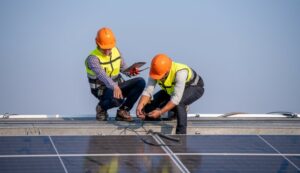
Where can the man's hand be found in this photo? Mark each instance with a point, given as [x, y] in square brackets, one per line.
[117, 92]
[155, 113]
[139, 112]
[139, 108]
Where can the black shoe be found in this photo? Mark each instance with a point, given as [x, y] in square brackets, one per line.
[101, 115]
[123, 115]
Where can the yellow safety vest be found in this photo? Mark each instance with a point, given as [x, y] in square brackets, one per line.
[111, 63]
[169, 83]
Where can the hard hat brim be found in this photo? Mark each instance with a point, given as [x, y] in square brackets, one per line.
[156, 76]
[109, 46]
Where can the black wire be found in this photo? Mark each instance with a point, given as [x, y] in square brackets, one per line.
[164, 136]
[143, 139]
[150, 131]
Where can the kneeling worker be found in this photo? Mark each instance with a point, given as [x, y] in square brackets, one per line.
[103, 67]
[180, 85]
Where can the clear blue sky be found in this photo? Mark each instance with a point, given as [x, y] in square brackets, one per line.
[248, 52]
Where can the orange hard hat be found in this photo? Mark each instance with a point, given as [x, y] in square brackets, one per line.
[105, 38]
[160, 65]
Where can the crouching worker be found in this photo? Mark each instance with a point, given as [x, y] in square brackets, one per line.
[180, 85]
[103, 67]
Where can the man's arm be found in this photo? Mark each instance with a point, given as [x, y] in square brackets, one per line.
[145, 98]
[180, 79]
[149, 89]
[94, 64]
[123, 65]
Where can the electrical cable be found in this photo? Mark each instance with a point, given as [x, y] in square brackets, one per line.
[150, 131]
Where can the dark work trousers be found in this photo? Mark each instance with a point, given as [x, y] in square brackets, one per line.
[131, 90]
[161, 98]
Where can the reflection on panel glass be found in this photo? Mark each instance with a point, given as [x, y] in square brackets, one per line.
[104, 144]
[244, 164]
[284, 143]
[116, 164]
[23, 145]
[220, 144]
[31, 165]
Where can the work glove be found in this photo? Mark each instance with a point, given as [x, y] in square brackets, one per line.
[134, 71]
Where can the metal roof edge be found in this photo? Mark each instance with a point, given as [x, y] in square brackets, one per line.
[194, 115]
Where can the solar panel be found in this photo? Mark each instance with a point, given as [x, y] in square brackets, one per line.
[120, 164]
[103, 144]
[232, 164]
[15, 164]
[220, 144]
[22, 145]
[285, 144]
[150, 153]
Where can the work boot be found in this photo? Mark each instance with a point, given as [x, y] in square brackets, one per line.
[101, 114]
[123, 115]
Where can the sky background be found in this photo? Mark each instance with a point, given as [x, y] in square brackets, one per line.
[247, 51]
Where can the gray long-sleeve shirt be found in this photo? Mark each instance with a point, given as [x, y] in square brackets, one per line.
[176, 96]
[94, 64]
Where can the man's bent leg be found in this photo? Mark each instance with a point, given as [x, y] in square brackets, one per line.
[107, 100]
[190, 95]
[101, 114]
[181, 119]
[131, 90]
[160, 99]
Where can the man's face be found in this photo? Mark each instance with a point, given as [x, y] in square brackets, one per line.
[106, 51]
[164, 77]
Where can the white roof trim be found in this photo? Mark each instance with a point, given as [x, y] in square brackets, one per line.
[42, 116]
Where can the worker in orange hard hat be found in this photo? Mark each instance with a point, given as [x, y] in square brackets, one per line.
[180, 86]
[103, 66]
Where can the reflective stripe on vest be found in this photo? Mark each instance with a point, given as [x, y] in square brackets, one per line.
[111, 64]
[169, 84]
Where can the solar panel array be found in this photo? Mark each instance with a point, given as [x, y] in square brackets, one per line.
[150, 153]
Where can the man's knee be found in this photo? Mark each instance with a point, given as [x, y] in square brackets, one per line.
[181, 108]
[110, 103]
[148, 108]
[140, 82]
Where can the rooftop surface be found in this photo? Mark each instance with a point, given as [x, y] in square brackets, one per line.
[196, 125]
